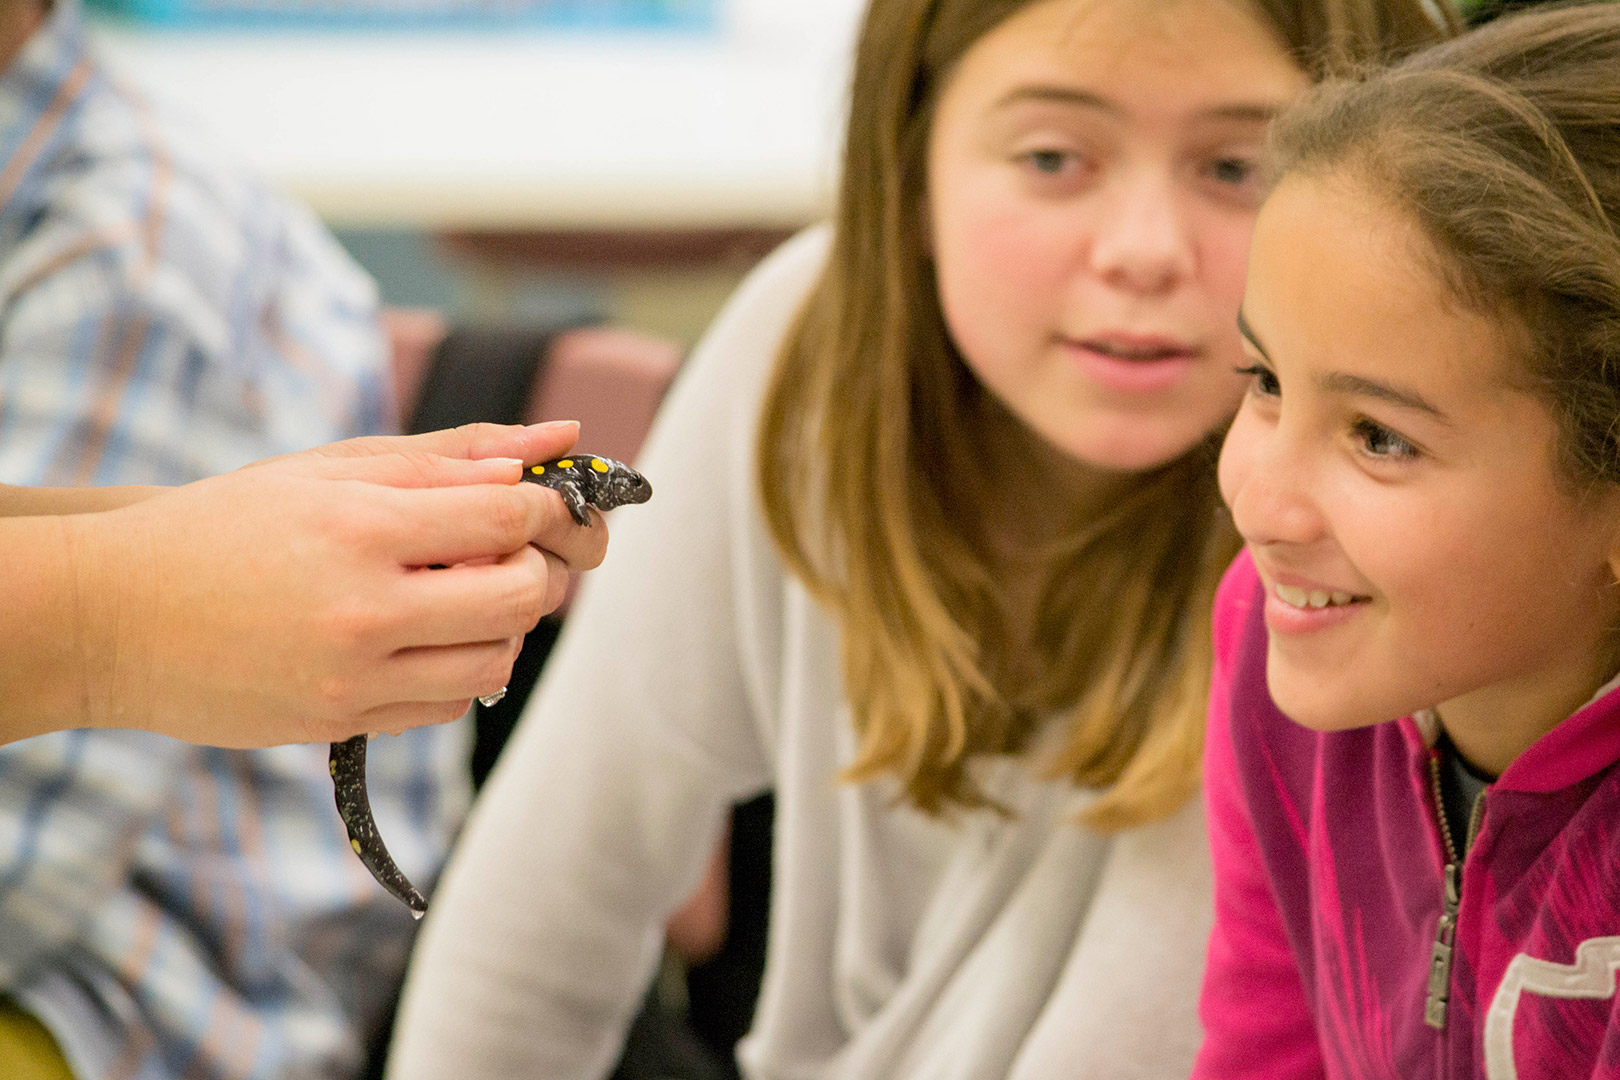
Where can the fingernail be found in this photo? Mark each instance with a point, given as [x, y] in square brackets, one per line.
[555, 425]
[507, 461]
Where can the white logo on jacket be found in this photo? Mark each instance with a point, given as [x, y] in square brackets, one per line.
[1590, 976]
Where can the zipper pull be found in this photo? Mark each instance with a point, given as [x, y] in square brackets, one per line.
[1434, 1007]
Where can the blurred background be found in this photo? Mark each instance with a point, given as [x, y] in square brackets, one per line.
[521, 162]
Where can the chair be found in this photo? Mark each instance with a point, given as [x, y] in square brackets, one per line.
[612, 381]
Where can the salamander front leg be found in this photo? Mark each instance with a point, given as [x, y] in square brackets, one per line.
[574, 495]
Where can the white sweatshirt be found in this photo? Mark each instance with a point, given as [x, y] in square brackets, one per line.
[695, 672]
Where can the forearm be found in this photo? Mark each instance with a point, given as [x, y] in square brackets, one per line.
[35, 501]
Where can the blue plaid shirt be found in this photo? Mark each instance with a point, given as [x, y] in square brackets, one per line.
[170, 911]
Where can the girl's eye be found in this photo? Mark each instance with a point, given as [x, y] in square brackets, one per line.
[1265, 380]
[1380, 442]
[1233, 171]
[1235, 178]
[1049, 162]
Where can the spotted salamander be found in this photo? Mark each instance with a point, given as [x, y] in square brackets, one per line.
[583, 480]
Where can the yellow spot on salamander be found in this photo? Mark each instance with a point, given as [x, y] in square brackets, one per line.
[599, 465]
[355, 844]
[566, 463]
[538, 469]
[332, 765]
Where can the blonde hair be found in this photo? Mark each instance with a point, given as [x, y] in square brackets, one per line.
[869, 375]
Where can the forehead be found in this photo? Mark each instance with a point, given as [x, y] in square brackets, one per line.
[1341, 279]
[1142, 58]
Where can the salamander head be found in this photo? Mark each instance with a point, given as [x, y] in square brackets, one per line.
[618, 484]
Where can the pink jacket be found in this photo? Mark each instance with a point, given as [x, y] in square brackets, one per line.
[1330, 888]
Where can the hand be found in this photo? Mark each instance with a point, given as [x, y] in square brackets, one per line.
[293, 600]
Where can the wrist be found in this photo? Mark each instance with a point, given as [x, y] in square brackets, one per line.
[111, 567]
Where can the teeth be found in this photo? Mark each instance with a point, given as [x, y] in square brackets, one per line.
[1311, 598]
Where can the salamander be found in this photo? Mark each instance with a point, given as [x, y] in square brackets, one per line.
[583, 481]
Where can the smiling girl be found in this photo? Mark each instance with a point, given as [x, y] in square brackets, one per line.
[931, 558]
[1416, 831]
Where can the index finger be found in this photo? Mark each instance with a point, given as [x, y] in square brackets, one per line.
[528, 443]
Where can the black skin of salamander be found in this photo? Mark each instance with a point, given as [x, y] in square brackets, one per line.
[583, 481]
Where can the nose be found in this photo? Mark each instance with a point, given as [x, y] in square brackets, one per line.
[1143, 243]
[1267, 482]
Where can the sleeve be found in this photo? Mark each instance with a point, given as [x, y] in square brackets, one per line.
[163, 345]
[72, 807]
[651, 719]
[1257, 1021]
[152, 349]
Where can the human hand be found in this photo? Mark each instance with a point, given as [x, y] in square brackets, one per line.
[293, 600]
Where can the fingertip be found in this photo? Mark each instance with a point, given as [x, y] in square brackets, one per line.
[556, 428]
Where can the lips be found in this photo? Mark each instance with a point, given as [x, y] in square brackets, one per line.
[1299, 607]
[1133, 364]
[1137, 348]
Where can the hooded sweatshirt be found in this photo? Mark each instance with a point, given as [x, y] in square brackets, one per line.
[1337, 951]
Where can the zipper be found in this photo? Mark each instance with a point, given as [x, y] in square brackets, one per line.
[1445, 931]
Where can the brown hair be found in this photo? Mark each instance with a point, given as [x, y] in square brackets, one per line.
[869, 375]
[1504, 146]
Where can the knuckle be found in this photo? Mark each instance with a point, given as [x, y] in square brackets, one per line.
[476, 436]
[348, 627]
[557, 583]
[419, 464]
[526, 602]
[334, 697]
[508, 516]
[596, 546]
[493, 673]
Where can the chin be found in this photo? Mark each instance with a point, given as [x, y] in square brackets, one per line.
[1310, 704]
[1128, 446]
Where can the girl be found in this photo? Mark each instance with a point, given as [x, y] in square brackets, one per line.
[1427, 475]
[936, 518]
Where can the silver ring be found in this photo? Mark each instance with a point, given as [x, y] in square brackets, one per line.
[490, 699]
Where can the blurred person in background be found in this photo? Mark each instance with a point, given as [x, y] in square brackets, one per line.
[168, 910]
[932, 558]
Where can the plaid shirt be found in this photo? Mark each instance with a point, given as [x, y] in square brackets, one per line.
[170, 911]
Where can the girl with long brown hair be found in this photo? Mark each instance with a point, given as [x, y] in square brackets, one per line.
[932, 556]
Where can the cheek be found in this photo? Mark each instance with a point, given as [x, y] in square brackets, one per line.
[1237, 453]
[998, 265]
[1478, 582]
[1224, 244]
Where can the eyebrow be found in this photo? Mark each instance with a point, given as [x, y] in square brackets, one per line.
[1249, 335]
[1344, 383]
[1065, 95]
[1341, 382]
